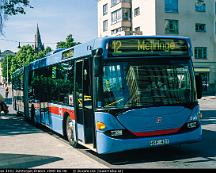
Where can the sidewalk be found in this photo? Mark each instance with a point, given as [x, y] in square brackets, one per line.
[23, 146]
[208, 98]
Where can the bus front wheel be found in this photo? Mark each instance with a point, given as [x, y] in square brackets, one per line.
[70, 132]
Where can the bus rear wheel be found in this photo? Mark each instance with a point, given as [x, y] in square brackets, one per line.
[70, 132]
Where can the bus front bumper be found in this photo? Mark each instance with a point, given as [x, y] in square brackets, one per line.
[106, 144]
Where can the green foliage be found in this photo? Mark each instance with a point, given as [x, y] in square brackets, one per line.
[69, 42]
[8, 58]
[10, 8]
[48, 88]
[24, 56]
[27, 54]
[14, 7]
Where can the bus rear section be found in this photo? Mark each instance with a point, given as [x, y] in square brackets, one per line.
[146, 101]
[18, 90]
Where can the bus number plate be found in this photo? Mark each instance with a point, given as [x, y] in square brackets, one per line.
[159, 142]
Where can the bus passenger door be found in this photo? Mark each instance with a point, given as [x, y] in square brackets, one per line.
[83, 103]
[44, 114]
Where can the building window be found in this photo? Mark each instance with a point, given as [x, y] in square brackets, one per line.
[200, 52]
[126, 14]
[120, 14]
[105, 9]
[200, 27]
[115, 2]
[125, 28]
[118, 30]
[171, 26]
[205, 80]
[116, 16]
[115, 31]
[200, 6]
[171, 6]
[136, 12]
[137, 29]
[105, 25]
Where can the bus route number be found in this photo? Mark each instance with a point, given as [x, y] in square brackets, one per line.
[116, 45]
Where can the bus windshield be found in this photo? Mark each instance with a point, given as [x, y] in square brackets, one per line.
[137, 84]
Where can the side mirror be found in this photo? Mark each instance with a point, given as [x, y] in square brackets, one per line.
[198, 80]
[97, 58]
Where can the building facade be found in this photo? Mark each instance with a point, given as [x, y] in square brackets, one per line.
[192, 18]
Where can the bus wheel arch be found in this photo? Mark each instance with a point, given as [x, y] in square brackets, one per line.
[68, 130]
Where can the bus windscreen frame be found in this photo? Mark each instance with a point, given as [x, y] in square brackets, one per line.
[148, 47]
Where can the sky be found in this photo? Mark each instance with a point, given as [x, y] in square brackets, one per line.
[56, 20]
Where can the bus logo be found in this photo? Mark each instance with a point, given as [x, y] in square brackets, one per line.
[158, 120]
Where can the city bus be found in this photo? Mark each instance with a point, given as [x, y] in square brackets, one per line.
[114, 94]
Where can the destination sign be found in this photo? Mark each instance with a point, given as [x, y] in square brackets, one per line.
[68, 54]
[147, 46]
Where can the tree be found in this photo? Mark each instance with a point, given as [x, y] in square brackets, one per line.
[27, 54]
[24, 56]
[10, 8]
[8, 59]
[69, 42]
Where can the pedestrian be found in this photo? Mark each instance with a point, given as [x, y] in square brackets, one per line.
[6, 91]
[3, 106]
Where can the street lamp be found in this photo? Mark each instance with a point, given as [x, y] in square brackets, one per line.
[19, 46]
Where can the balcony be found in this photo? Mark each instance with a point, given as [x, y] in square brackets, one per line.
[124, 4]
[122, 23]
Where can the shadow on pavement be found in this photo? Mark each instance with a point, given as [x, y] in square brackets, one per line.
[205, 150]
[209, 117]
[12, 125]
[15, 161]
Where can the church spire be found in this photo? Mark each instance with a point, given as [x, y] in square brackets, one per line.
[38, 43]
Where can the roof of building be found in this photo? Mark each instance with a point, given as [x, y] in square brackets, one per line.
[5, 53]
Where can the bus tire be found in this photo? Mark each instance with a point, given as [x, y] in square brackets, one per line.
[18, 114]
[70, 132]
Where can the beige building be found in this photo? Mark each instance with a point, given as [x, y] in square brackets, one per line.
[192, 18]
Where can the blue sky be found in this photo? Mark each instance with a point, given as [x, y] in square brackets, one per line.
[56, 20]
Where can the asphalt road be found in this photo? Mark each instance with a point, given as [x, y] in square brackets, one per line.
[24, 146]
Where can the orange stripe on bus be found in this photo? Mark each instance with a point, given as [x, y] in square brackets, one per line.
[61, 111]
[155, 133]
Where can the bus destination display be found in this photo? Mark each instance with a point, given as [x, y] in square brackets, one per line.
[68, 54]
[150, 46]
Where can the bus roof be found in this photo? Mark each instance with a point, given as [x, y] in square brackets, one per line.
[85, 49]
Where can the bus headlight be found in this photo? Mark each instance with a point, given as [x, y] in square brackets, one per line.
[192, 125]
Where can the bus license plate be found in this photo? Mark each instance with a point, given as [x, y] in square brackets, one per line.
[159, 142]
